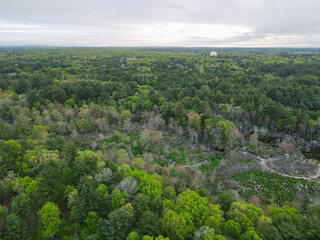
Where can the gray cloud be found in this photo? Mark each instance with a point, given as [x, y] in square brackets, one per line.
[166, 23]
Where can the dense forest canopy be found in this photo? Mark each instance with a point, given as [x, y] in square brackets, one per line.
[159, 143]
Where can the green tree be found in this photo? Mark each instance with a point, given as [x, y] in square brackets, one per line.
[286, 227]
[244, 222]
[250, 234]
[3, 215]
[151, 186]
[73, 204]
[200, 233]
[169, 193]
[21, 205]
[89, 199]
[136, 174]
[117, 198]
[141, 204]
[263, 222]
[149, 223]
[52, 175]
[231, 228]
[91, 224]
[13, 227]
[116, 227]
[271, 233]
[87, 163]
[160, 237]
[292, 212]
[253, 213]
[225, 201]
[50, 220]
[10, 156]
[200, 210]
[133, 236]
[147, 237]
[311, 223]
[213, 236]
[103, 190]
[177, 226]
[70, 103]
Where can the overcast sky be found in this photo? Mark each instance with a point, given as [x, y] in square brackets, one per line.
[221, 23]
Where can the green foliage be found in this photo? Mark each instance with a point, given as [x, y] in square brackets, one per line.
[141, 204]
[103, 190]
[73, 204]
[160, 237]
[52, 172]
[286, 227]
[70, 103]
[292, 212]
[91, 224]
[21, 205]
[231, 228]
[39, 133]
[244, 222]
[177, 226]
[26, 184]
[135, 151]
[88, 160]
[68, 190]
[13, 227]
[262, 223]
[250, 234]
[161, 162]
[118, 199]
[151, 186]
[311, 223]
[117, 137]
[55, 143]
[146, 237]
[169, 193]
[208, 167]
[199, 210]
[271, 233]
[271, 187]
[3, 214]
[50, 220]
[72, 120]
[149, 223]
[125, 168]
[10, 156]
[225, 201]
[136, 174]
[87, 198]
[116, 227]
[203, 232]
[214, 237]
[133, 236]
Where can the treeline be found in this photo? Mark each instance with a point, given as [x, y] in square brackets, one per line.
[279, 92]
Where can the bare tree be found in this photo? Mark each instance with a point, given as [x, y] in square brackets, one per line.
[127, 184]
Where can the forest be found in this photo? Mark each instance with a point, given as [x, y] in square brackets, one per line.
[159, 143]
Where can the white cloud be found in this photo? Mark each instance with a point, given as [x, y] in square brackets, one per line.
[164, 23]
[179, 32]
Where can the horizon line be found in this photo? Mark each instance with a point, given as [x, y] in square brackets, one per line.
[155, 46]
